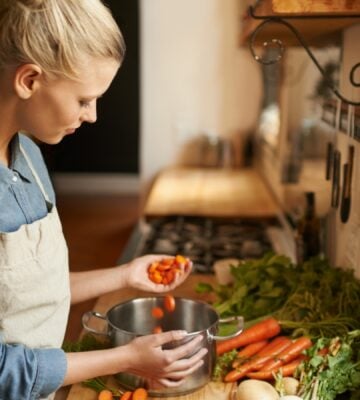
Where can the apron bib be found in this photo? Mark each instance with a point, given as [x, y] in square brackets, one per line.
[34, 281]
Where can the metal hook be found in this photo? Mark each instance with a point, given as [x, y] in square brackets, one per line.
[277, 20]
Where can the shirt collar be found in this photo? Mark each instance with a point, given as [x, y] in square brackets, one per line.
[18, 162]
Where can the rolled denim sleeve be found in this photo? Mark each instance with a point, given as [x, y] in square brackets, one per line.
[30, 374]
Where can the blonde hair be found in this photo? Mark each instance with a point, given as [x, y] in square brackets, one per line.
[57, 35]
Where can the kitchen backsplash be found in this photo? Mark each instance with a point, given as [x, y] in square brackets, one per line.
[296, 161]
[344, 243]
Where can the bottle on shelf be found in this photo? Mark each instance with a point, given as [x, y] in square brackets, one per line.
[308, 231]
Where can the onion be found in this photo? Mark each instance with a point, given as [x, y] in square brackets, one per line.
[254, 389]
[290, 397]
[290, 385]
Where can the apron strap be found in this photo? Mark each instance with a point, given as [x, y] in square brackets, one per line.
[36, 176]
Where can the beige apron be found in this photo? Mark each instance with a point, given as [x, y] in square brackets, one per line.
[34, 281]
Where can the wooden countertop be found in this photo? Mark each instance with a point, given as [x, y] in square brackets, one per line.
[210, 192]
[212, 391]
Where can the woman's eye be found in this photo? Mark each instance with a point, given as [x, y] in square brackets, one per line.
[85, 104]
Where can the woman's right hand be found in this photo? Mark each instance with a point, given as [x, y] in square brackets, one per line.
[164, 367]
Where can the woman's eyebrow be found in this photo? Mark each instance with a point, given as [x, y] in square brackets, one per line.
[92, 97]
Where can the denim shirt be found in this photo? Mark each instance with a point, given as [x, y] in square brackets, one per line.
[26, 374]
[21, 200]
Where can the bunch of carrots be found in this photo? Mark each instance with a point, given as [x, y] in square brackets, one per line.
[262, 352]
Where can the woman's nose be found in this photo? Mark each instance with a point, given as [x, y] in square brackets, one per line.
[90, 115]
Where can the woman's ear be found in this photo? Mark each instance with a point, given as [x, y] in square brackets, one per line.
[27, 80]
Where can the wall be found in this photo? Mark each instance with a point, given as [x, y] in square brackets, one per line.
[194, 77]
[346, 237]
[342, 239]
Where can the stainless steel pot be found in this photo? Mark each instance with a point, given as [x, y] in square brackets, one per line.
[133, 318]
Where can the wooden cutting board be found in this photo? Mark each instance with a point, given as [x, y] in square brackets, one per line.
[212, 391]
[210, 192]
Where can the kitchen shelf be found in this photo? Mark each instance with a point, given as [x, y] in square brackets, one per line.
[319, 24]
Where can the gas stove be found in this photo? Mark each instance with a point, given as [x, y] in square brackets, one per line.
[204, 240]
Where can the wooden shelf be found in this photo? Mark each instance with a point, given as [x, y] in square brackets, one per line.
[323, 30]
[304, 7]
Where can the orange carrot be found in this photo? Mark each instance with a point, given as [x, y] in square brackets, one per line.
[140, 394]
[262, 330]
[273, 344]
[105, 395]
[126, 396]
[258, 360]
[248, 351]
[286, 370]
[252, 349]
[157, 329]
[288, 354]
[169, 303]
[275, 347]
[157, 312]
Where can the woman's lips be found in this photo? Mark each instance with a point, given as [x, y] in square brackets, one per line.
[70, 130]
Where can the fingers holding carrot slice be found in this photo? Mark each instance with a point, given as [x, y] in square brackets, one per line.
[166, 270]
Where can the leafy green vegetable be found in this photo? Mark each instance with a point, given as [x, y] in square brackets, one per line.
[223, 365]
[98, 384]
[86, 343]
[326, 301]
[313, 298]
[204, 288]
[260, 287]
[323, 377]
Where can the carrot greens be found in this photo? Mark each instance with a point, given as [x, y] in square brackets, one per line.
[312, 298]
[336, 372]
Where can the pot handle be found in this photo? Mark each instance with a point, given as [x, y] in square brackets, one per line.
[240, 327]
[86, 318]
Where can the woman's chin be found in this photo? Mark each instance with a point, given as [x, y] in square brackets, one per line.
[53, 140]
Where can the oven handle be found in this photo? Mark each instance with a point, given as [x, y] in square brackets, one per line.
[240, 327]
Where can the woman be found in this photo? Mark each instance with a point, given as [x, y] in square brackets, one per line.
[57, 57]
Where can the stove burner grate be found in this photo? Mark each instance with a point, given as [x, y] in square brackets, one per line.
[206, 240]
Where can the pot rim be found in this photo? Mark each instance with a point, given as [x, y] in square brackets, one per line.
[105, 317]
[151, 298]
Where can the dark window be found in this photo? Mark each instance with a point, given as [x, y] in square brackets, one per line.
[111, 145]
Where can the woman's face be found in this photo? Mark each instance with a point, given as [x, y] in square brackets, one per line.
[60, 105]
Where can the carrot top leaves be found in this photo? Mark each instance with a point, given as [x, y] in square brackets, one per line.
[313, 298]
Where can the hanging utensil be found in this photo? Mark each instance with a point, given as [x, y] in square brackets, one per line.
[329, 160]
[335, 193]
[346, 192]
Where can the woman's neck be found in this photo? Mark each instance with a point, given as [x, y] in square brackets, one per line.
[5, 152]
[8, 114]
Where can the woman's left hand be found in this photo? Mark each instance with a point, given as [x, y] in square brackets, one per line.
[136, 274]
